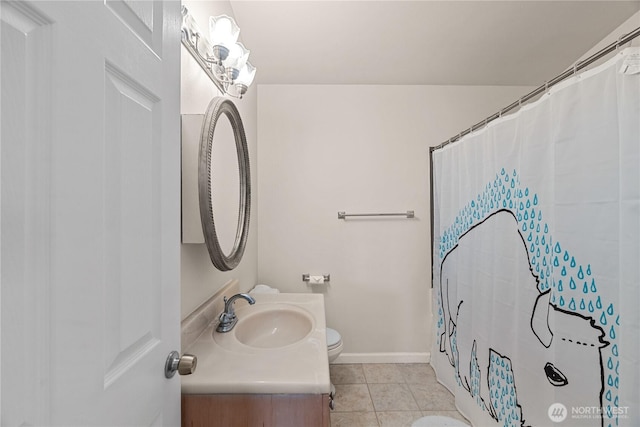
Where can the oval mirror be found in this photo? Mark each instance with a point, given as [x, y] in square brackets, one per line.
[224, 190]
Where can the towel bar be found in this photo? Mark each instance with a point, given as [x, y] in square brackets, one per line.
[407, 214]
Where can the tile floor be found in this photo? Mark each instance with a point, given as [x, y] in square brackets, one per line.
[388, 395]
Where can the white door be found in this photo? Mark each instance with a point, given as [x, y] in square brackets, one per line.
[89, 212]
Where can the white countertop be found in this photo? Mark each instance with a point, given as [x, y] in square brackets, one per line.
[227, 366]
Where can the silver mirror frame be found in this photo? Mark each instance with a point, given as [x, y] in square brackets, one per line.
[218, 107]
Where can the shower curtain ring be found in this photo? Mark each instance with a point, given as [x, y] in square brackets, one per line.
[618, 41]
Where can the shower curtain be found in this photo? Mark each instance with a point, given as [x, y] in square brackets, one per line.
[536, 269]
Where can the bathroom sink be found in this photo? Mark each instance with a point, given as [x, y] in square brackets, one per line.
[268, 326]
[274, 326]
[279, 345]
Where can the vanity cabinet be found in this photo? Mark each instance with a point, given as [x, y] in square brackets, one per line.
[259, 410]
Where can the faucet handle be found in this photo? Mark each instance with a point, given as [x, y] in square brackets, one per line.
[228, 317]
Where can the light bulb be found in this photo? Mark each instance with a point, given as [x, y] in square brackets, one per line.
[223, 31]
[245, 78]
[246, 75]
[235, 61]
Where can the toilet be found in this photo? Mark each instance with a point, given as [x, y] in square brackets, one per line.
[334, 344]
[334, 340]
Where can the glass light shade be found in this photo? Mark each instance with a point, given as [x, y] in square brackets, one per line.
[246, 76]
[188, 22]
[238, 56]
[223, 30]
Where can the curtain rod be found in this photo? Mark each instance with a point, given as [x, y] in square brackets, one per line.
[625, 38]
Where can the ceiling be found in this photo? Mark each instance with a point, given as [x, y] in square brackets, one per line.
[422, 42]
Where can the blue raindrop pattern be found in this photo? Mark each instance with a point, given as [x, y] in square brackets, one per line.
[475, 376]
[456, 355]
[502, 391]
[573, 286]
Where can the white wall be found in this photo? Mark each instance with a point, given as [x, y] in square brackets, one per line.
[199, 278]
[325, 149]
[629, 25]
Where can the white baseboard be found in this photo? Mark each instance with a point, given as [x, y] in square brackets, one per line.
[346, 358]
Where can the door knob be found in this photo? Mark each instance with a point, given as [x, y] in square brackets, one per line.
[185, 365]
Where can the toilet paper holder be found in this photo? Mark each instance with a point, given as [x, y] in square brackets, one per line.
[307, 277]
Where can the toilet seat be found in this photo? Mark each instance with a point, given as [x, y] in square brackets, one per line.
[333, 339]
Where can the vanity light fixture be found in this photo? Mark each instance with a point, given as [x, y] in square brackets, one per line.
[221, 56]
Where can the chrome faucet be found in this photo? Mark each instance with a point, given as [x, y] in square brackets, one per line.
[228, 318]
